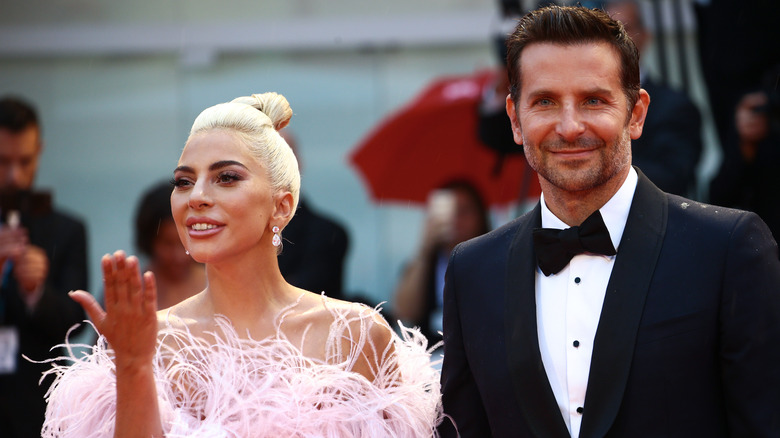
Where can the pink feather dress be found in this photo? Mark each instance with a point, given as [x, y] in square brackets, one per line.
[239, 387]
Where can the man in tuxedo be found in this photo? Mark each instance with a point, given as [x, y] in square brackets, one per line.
[43, 256]
[648, 315]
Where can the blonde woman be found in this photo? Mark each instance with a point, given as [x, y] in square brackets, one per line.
[250, 355]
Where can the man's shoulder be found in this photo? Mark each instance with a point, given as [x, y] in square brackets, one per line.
[495, 240]
[66, 218]
[58, 222]
[685, 210]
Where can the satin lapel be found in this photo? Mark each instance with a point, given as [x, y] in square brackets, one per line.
[624, 302]
[536, 399]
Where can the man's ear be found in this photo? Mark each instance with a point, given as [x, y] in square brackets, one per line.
[517, 132]
[283, 207]
[638, 115]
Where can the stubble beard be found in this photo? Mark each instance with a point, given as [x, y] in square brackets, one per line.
[577, 175]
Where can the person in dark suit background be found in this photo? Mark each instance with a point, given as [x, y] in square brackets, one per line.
[665, 324]
[314, 246]
[671, 143]
[44, 256]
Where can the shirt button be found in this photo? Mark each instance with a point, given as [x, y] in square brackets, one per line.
[576, 344]
[577, 280]
[579, 410]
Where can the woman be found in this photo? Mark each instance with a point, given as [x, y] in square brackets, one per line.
[250, 355]
[176, 275]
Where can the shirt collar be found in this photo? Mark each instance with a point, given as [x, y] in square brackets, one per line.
[614, 212]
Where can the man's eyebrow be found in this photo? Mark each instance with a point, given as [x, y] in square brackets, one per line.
[599, 91]
[214, 166]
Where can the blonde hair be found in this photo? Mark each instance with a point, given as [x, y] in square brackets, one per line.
[256, 120]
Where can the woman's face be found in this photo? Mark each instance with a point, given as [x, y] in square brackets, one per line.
[222, 200]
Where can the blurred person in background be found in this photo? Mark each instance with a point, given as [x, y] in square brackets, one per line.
[43, 254]
[455, 214]
[670, 147]
[740, 55]
[178, 275]
[748, 176]
[315, 246]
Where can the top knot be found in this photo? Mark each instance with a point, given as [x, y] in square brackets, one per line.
[273, 105]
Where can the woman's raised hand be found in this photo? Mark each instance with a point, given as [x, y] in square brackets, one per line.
[129, 321]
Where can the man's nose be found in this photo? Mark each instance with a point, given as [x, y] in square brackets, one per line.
[16, 177]
[570, 124]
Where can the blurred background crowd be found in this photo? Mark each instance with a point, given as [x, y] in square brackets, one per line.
[392, 101]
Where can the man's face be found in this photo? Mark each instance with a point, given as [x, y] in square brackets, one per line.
[572, 116]
[19, 154]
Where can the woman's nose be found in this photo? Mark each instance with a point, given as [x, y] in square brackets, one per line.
[200, 196]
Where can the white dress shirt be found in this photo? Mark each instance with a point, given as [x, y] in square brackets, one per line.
[568, 308]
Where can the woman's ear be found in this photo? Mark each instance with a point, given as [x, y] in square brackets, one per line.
[283, 207]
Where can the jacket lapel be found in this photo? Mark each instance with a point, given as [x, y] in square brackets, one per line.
[535, 396]
[624, 301]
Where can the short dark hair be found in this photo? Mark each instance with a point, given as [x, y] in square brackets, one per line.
[569, 25]
[153, 209]
[16, 114]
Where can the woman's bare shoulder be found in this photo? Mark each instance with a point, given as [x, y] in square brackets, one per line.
[185, 315]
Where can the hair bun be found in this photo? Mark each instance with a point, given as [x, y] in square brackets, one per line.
[273, 105]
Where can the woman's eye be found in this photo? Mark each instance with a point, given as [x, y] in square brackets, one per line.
[180, 182]
[227, 178]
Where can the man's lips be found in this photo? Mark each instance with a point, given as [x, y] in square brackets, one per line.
[573, 153]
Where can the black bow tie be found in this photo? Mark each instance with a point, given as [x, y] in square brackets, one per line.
[555, 248]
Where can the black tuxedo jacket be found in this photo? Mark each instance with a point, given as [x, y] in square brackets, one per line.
[22, 404]
[688, 342]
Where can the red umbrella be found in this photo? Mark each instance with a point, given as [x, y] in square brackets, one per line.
[433, 140]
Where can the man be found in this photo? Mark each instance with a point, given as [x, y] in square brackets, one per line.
[670, 147]
[43, 256]
[315, 246]
[666, 326]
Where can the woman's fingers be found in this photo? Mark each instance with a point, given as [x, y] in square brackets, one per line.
[121, 279]
[150, 293]
[109, 292]
[133, 282]
[90, 305]
[122, 283]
